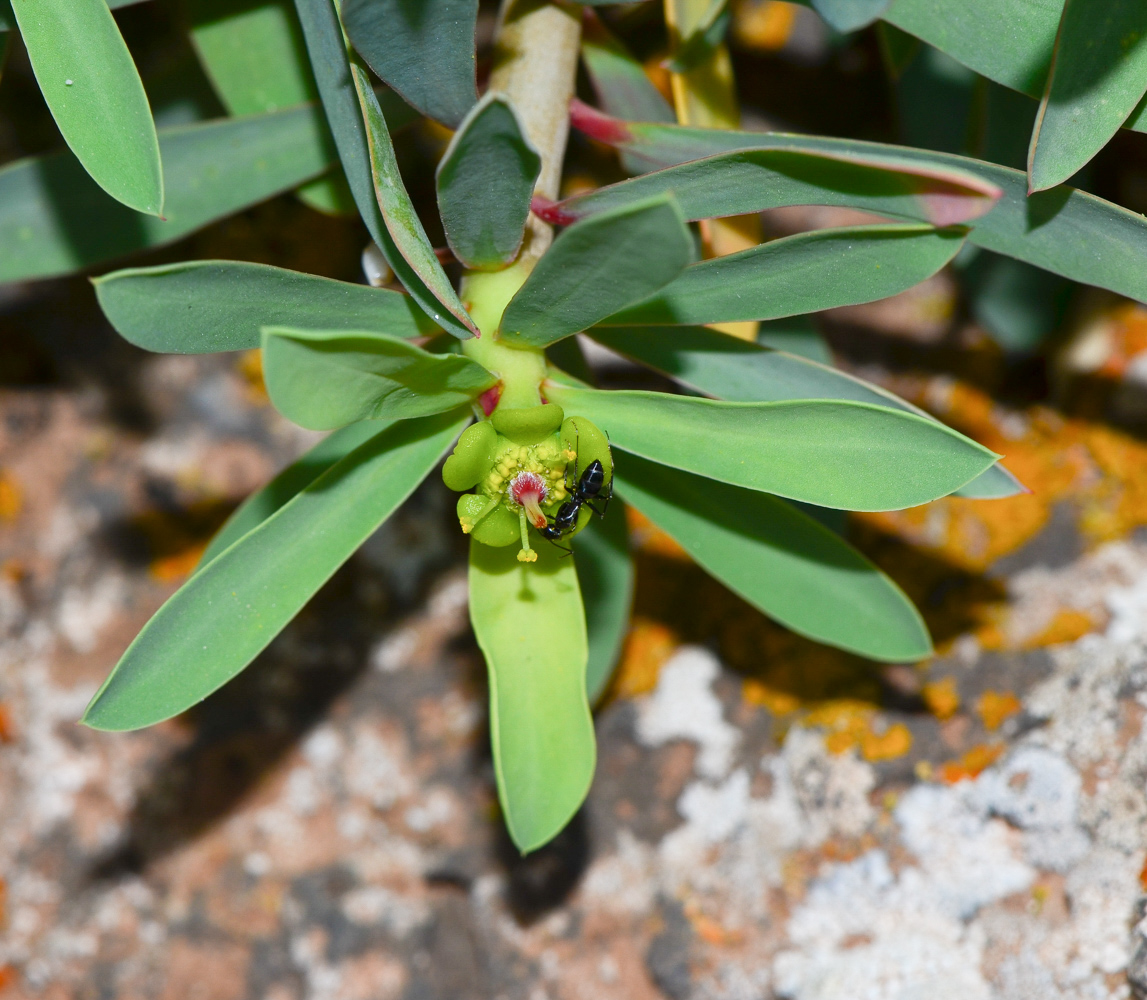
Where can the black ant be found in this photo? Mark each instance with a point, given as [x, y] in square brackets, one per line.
[588, 487]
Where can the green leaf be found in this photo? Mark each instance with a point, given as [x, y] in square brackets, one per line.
[485, 181]
[8, 19]
[402, 221]
[228, 612]
[596, 267]
[800, 274]
[780, 560]
[530, 625]
[253, 52]
[1065, 231]
[795, 335]
[1098, 77]
[53, 218]
[339, 90]
[1017, 57]
[1009, 41]
[289, 483]
[850, 15]
[94, 92]
[424, 50]
[754, 180]
[897, 47]
[853, 456]
[621, 84]
[256, 58]
[619, 80]
[708, 33]
[728, 368]
[1020, 306]
[217, 305]
[605, 573]
[322, 379]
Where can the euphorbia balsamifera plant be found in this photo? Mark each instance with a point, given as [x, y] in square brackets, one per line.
[487, 377]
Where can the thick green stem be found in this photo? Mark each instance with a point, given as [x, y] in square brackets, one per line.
[536, 63]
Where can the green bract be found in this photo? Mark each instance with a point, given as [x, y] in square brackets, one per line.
[471, 356]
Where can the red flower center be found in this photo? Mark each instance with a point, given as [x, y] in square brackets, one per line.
[530, 490]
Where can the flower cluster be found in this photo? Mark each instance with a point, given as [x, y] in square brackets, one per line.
[520, 464]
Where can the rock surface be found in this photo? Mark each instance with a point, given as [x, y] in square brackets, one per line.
[769, 819]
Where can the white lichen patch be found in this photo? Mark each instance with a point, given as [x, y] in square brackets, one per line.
[684, 707]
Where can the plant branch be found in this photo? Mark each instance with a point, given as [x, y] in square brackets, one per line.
[535, 65]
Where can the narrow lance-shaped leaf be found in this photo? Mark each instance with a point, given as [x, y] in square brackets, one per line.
[1065, 231]
[706, 35]
[424, 50]
[402, 221]
[530, 625]
[780, 560]
[1009, 41]
[619, 80]
[729, 368]
[94, 92]
[8, 19]
[322, 379]
[854, 456]
[796, 335]
[754, 180]
[596, 267]
[289, 483]
[53, 218]
[228, 612]
[485, 180]
[1017, 57]
[605, 573]
[1098, 76]
[621, 84]
[800, 274]
[850, 15]
[256, 59]
[218, 305]
[339, 90]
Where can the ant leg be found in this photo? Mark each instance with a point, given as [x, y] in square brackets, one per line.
[567, 549]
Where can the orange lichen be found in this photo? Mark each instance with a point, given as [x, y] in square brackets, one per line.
[7, 733]
[853, 724]
[1099, 468]
[1143, 876]
[757, 692]
[7, 977]
[994, 707]
[941, 697]
[894, 742]
[658, 75]
[765, 25]
[712, 932]
[1125, 327]
[1068, 625]
[250, 366]
[176, 538]
[647, 646]
[971, 764]
[177, 566]
[646, 536]
[11, 497]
